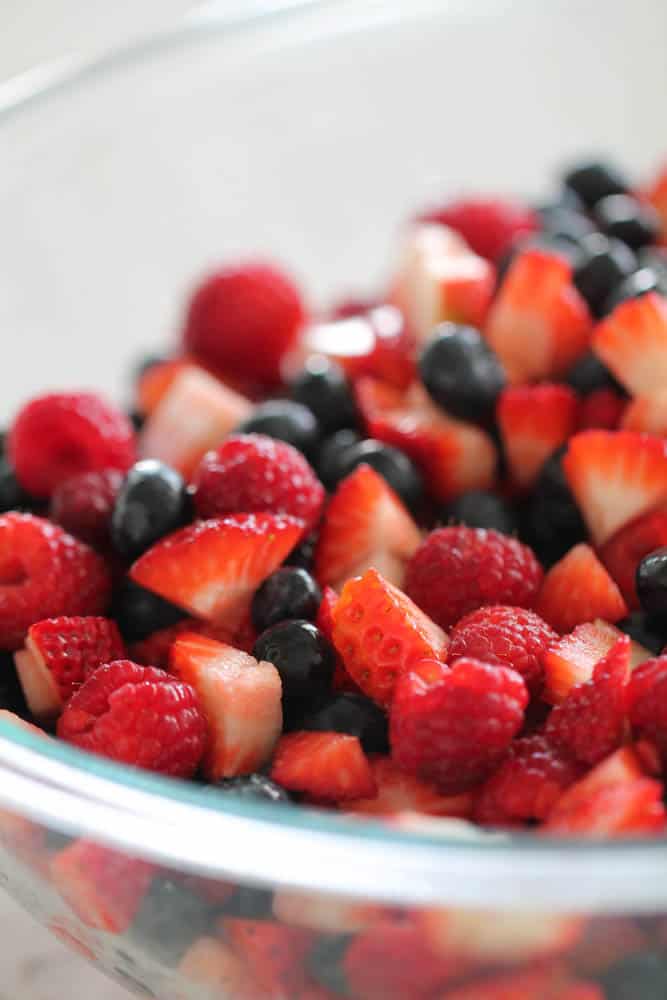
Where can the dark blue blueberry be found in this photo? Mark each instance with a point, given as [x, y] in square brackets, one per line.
[354, 714]
[651, 582]
[392, 464]
[627, 219]
[323, 387]
[605, 263]
[638, 977]
[153, 501]
[565, 224]
[290, 592]
[655, 258]
[302, 554]
[325, 962]
[287, 421]
[640, 283]
[11, 693]
[170, 918]
[253, 788]
[551, 523]
[479, 509]
[461, 373]
[595, 180]
[12, 496]
[589, 374]
[331, 458]
[303, 657]
[139, 612]
[249, 903]
[566, 198]
[648, 632]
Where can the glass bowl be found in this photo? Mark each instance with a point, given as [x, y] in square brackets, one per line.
[305, 133]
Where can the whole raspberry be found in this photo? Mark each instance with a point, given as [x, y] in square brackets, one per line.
[57, 436]
[489, 225]
[242, 321]
[45, 573]
[647, 702]
[458, 569]
[453, 725]
[137, 715]
[83, 505]
[252, 472]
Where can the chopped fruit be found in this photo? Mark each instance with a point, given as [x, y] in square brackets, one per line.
[325, 622]
[579, 589]
[647, 702]
[461, 373]
[534, 420]
[380, 634]
[632, 343]
[59, 655]
[490, 226]
[45, 573]
[252, 472]
[194, 415]
[538, 985]
[274, 952]
[399, 792]
[459, 569]
[452, 725]
[572, 659]
[212, 568]
[365, 525]
[329, 767]
[538, 324]
[604, 409]
[240, 698]
[210, 963]
[647, 414]
[83, 505]
[616, 477]
[155, 649]
[507, 637]
[57, 436]
[156, 381]
[657, 196]
[137, 715]
[624, 551]
[324, 913]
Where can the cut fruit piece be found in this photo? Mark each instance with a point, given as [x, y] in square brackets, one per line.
[539, 985]
[657, 195]
[623, 552]
[578, 589]
[534, 421]
[398, 792]
[632, 343]
[274, 952]
[156, 382]
[647, 414]
[329, 767]
[214, 965]
[490, 226]
[324, 913]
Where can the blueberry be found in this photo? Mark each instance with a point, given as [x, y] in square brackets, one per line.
[325, 962]
[479, 509]
[640, 283]
[331, 459]
[551, 522]
[627, 219]
[592, 181]
[654, 258]
[302, 555]
[250, 903]
[285, 420]
[392, 464]
[323, 387]
[354, 714]
[604, 264]
[566, 224]
[152, 502]
[644, 630]
[139, 612]
[461, 372]
[290, 592]
[253, 788]
[137, 419]
[11, 693]
[589, 374]
[170, 918]
[12, 496]
[566, 198]
[651, 581]
[638, 977]
[303, 657]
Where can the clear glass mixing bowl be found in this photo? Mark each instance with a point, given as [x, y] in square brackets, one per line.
[306, 134]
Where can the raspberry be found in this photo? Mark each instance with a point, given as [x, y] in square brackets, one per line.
[137, 715]
[252, 472]
[602, 408]
[242, 321]
[507, 637]
[57, 436]
[45, 573]
[489, 225]
[83, 505]
[453, 725]
[647, 702]
[458, 569]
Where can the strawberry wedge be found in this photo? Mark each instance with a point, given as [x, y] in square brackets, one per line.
[632, 342]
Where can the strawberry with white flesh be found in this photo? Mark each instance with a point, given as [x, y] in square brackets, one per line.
[365, 525]
[59, 655]
[538, 324]
[624, 551]
[632, 343]
[647, 414]
[615, 476]
[656, 194]
[578, 589]
[326, 767]
[212, 568]
[398, 792]
[324, 913]
[241, 699]
[534, 420]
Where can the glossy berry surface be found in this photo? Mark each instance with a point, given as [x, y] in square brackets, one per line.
[593, 180]
[552, 522]
[288, 593]
[651, 582]
[392, 464]
[303, 657]
[284, 420]
[588, 375]
[604, 265]
[480, 509]
[626, 219]
[323, 388]
[354, 714]
[638, 283]
[648, 631]
[152, 502]
[253, 788]
[461, 372]
[139, 612]
[331, 460]
[12, 496]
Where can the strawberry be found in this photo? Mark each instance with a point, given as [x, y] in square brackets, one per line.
[398, 792]
[155, 649]
[615, 476]
[330, 767]
[341, 679]
[213, 965]
[490, 226]
[156, 381]
[537, 985]
[274, 952]
[212, 568]
[578, 589]
[324, 913]
[534, 420]
[632, 343]
[240, 698]
[623, 552]
[603, 409]
[380, 634]
[647, 414]
[657, 195]
[365, 525]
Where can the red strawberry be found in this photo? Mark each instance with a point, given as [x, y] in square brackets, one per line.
[647, 414]
[45, 573]
[603, 409]
[537, 985]
[275, 953]
[632, 343]
[324, 912]
[328, 767]
[399, 792]
[241, 700]
[578, 589]
[59, 655]
[83, 505]
[155, 649]
[538, 324]
[647, 702]
[623, 552]
[365, 525]
[156, 381]
[458, 569]
[212, 568]
[490, 226]
[60, 435]
[341, 679]
[657, 195]
[380, 634]
[452, 725]
[211, 964]
[534, 420]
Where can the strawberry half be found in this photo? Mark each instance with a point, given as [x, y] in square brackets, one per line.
[632, 342]
[626, 549]
[275, 953]
[329, 767]
[399, 792]
[579, 589]
[324, 912]
[657, 195]
[615, 476]
[365, 525]
[534, 420]
[213, 965]
[647, 414]
[241, 699]
[539, 985]
[212, 568]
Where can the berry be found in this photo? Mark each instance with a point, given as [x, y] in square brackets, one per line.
[479, 509]
[253, 788]
[646, 413]
[139, 612]
[12, 698]
[213, 966]
[453, 725]
[243, 320]
[538, 985]
[60, 435]
[578, 589]
[212, 568]
[322, 387]
[354, 714]
[506, 637]
[303, 657]
[534, 421]
[325, 766]
[331, 459]
[324, 962]
[490, 226]
[152, 502]
[274, 952]
[647, 701]
[652, 581]
[45, 573]
[461, 373]
[593, 181]
[252, 472]
[155, 649]
[83, 505]
[657, 196]
[645, 632]
[589, 374]
[284, 420]
[240, 698]
[12, 496]
[458, 569]
[623, 553]
[399, 792]
[632, 343]
[603, 409]
[169, 919]
[380, 634]
[392, 464]
[625, 218]
[643, 975]
[635, 286]
[137, 715]
[566, 226]
[288, 593]
[604, 264]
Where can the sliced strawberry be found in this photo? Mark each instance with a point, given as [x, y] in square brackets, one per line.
[623, 552]
[399, 792]
[274, 952]
[365, 525]
[212, 568]
[602, 409]
[329, 767]
[211, 964]
[632, 342]
[380, 633]
[615, 476]
[241, 700]
[537, 985]
[341, 679]
[490, 226]
[156, 381]
[325, 913]
[534, 420]
[647, 414]
[578, 589]
[571, 661]
[155, 649]
[657, 195]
